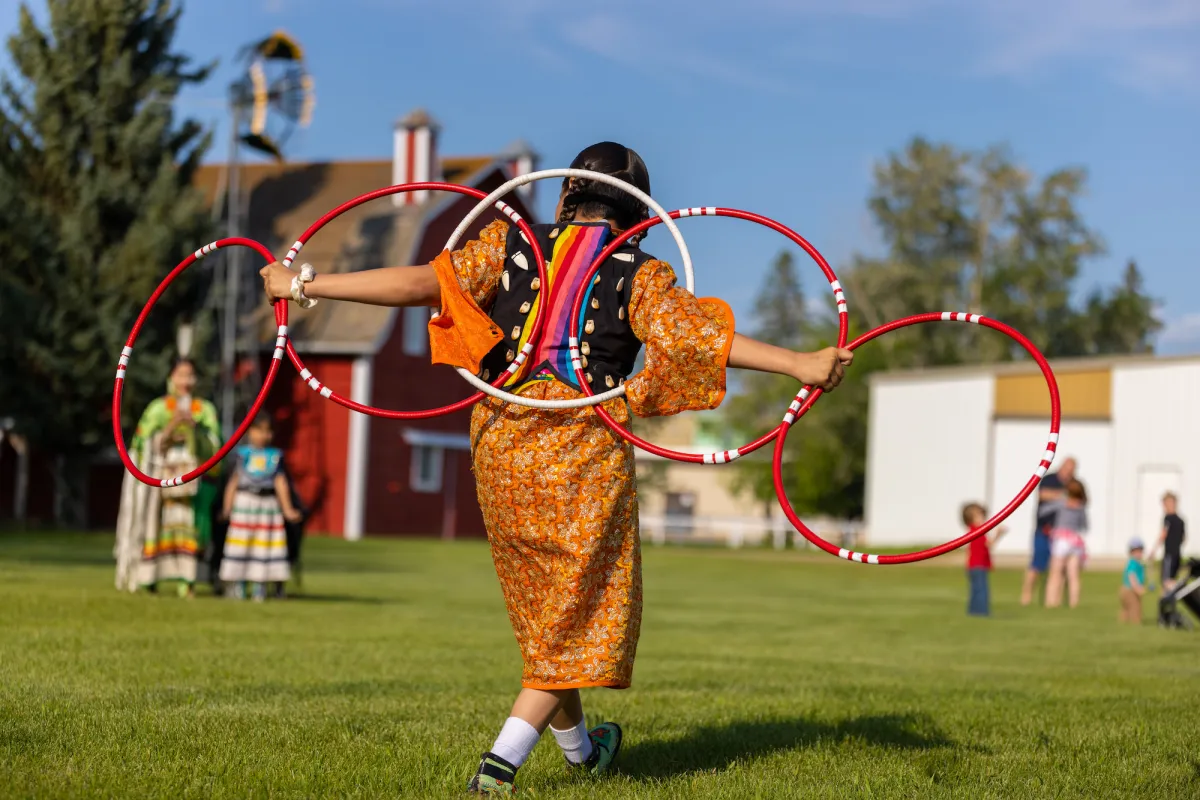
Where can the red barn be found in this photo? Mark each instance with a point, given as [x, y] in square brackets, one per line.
[360, 474]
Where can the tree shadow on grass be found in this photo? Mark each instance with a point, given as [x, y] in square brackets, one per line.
[718, 747]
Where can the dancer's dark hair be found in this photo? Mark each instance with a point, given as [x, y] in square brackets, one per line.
[590, 198]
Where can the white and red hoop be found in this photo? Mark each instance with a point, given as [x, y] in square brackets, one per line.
[804, 401]
[723, 456]
[315, 384]
[281, 318]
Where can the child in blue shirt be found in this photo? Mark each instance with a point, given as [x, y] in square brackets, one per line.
[1133, 584]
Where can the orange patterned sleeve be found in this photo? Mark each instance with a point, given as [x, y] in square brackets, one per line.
[479, 263]
[687, 343]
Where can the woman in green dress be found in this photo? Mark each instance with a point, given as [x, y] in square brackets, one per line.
[162, 532]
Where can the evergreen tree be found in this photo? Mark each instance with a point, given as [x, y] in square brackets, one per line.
[96, 205]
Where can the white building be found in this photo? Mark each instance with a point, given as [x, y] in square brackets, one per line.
[941, 437]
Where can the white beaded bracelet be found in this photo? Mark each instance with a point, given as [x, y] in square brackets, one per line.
[307, 273]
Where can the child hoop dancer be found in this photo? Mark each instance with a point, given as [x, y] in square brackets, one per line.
[557, 487]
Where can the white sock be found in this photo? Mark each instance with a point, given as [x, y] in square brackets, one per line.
[575, 742]
[516, 741]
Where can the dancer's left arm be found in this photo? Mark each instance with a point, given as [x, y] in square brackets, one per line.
[824, 368]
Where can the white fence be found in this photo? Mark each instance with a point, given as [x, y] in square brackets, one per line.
[744, 531]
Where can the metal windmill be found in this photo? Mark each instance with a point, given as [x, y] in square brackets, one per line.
[268, 103]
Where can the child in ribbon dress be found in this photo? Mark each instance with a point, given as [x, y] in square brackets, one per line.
[257, 503]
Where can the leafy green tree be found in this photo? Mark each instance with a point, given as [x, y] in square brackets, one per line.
[963, 231]
[96, 204]
[758, 405]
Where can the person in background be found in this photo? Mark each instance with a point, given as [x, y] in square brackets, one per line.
[979, 561]
[1068, 546]
[1133, 584]
[257, 501]
[295, 533]
[1051, 489]
[1171, 541]
[160, 531]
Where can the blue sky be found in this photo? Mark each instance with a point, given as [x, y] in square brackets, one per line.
[775, 106]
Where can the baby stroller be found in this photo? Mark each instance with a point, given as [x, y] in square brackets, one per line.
[1185, 594]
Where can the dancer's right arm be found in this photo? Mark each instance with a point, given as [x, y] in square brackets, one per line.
[388, 286]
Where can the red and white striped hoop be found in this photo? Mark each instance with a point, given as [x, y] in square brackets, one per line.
[315, 384]
[281, 318]
[805, 399]
[725, 456]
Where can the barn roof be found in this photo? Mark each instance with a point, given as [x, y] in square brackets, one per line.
[284, 199]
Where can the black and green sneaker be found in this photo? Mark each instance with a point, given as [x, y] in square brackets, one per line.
[606, 743]
[495, 776]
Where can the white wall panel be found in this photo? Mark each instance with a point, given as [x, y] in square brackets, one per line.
[927, 451]
[1156, 414]
[1017, 448]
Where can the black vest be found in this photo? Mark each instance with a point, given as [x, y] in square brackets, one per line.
[606, 339]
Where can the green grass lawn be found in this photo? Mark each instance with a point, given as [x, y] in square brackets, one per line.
[759, 675]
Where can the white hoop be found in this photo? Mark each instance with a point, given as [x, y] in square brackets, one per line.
[493, 198]
[600, 177]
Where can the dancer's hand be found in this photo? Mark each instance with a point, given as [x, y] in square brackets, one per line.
[292, 515]
[277, 281]
[824, 368]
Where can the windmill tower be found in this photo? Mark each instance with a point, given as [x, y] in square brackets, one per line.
[270, 101]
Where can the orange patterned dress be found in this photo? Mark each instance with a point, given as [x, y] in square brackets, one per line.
[558, 488]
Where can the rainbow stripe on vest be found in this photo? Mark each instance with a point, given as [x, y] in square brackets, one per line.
[575, 248]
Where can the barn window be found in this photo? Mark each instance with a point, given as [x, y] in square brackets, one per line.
[426, 473]
[416, 331]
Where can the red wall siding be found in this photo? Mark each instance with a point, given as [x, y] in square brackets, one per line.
[8, 479]
[104, 494]
[409, 383]
[312, 432]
